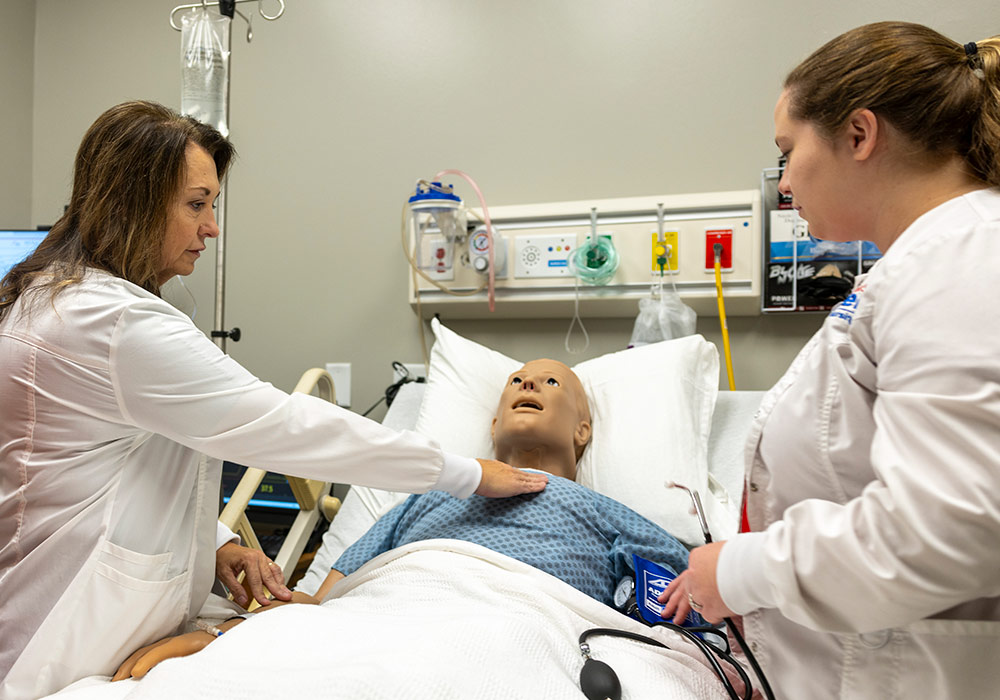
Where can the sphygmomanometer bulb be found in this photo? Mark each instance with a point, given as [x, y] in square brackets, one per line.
[598, 681]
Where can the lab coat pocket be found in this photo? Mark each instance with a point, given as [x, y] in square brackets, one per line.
[933, 658]
[144, 611]
[105, 615]
[952, 659]
[150, 567]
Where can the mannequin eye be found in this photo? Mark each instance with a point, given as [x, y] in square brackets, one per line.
[552, 381]
[516, 380]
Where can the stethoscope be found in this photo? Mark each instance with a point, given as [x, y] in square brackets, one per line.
[598, 680]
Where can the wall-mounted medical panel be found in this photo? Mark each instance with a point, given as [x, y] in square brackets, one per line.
[540, 239]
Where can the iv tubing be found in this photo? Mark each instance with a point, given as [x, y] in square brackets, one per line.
[489, 227]
[722, 318]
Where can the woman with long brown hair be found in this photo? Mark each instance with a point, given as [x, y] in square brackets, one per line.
[111, 398]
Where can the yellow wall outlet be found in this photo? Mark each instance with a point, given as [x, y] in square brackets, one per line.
[660, 252]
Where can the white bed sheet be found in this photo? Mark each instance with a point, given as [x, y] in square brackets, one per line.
[249, 663]
[471, 624]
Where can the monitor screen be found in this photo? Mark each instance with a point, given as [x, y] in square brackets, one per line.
[15, 246]
[274, 491]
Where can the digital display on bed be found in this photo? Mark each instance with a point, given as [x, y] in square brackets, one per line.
[274, 491]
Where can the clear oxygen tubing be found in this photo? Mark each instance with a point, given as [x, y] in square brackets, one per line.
[722, 316]
[491, 281]
[576, 291]
[576, 320]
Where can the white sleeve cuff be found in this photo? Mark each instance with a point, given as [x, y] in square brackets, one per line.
[223, 535]
[460, 476]
[740, 574]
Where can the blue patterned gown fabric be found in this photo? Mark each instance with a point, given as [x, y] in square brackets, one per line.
[567, 530]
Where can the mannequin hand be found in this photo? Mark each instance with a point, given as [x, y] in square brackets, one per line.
[501, 480]
[261, 572]
[298, 597]
[698, 582]
[140, 662]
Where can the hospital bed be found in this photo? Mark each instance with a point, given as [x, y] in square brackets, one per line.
[363, 506]
[444, 618]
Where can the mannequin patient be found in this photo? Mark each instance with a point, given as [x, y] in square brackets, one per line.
[569, 531]
[586, 539]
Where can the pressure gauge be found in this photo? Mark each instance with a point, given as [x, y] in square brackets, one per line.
[479, 250]
[624, 592]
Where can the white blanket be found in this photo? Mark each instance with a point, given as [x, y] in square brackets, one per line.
[436, 619]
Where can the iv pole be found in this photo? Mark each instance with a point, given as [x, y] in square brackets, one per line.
[227, 8]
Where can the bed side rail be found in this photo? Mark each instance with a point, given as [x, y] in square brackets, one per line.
[313, 496]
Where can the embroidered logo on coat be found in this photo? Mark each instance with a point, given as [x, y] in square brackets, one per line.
[848, 306]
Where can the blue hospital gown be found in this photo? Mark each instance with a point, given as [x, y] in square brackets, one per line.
[567, 530]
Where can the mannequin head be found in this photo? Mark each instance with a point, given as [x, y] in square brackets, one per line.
[542, 421]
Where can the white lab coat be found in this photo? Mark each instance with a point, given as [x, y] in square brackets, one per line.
[108, 509]
[874, 476]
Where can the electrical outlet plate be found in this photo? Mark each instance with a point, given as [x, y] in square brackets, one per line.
[416, 370]
[341, 373]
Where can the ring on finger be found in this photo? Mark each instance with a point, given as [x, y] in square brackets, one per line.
[694, 604]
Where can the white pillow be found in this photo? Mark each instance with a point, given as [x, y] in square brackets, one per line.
[651, 408]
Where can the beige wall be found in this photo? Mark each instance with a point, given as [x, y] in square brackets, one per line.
[17, 43]
[339, 106]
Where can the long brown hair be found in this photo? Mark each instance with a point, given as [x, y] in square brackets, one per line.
[128, 170]
[944, 97]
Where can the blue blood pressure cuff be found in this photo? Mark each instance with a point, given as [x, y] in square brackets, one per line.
[637, 597]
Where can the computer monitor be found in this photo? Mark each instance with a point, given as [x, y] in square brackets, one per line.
[16, 245]
[271, 511]
[273, 493]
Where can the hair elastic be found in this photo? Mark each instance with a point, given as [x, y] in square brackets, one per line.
[971, 49]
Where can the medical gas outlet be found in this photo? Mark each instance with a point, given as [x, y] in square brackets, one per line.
[666, 252]
[723, 238]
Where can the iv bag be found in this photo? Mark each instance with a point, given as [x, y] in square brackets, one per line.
[205, 67]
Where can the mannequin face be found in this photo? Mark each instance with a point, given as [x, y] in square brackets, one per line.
[542, 420]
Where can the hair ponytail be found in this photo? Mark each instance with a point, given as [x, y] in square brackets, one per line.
[941, 95]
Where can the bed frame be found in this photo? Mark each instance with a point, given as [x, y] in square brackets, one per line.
[313, 497]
